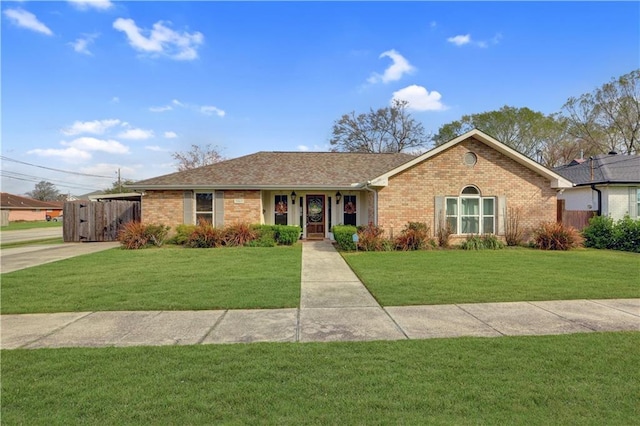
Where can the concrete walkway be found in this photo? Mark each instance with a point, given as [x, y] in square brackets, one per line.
[334, 306]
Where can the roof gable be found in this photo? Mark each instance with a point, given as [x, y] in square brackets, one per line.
[557, 181]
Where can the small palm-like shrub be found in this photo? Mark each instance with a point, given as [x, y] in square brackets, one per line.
[370, 238]
[136, 235]
[204, 235]
[239, 235]
[414, 236]
[556, 236]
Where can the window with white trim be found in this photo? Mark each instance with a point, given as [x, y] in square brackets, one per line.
[204, 207]
[470, 213]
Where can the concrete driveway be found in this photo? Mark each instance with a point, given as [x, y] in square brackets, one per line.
[30, 234]
[13, 259]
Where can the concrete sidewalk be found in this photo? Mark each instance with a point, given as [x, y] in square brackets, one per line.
[334, 306]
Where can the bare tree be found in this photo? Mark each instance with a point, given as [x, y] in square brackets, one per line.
[197, 156]
[390, 129]
[609, 117]
[44, 191]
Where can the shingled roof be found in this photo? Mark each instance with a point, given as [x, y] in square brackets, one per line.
[282, 169]
[16, 202]
[603, 169]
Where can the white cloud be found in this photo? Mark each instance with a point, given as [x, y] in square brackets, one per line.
[160, 108]
[96, 4]
[302, 148]
[177, 102]
[161, 40]
[115, 100]
[210, 110]
[419, 98]
[93, 144]
[27, 20]
[170, 135]
[81, 45]
[395, 71]
[68, 154]
[155, 148]
[106, 169]
[460, 40]
[317, 148]
[96, 127]
[136, 134]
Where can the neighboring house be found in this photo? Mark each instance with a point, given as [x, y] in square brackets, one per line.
[607, 185]
[17, 208]
[470, 182]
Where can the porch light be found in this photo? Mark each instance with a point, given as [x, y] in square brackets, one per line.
[293, 196]
[338, 197]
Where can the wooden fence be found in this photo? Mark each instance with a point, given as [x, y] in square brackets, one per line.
[578, 219]
[89, 221]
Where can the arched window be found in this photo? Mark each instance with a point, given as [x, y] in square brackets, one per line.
[470, 213]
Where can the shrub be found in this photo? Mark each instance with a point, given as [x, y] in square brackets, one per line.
[182, 234]
[599, 233]
[556, 236]
[157, 234]
[491, 242]
[414, 236]
[626, 235]
[443, 233]
[343, 234]
[239, 234]
[473, 242]
[286, 235]
[133, 236]
[204, 235]
[513, 232]
[370, 238]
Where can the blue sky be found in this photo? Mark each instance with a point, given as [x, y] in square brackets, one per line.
[93, 87]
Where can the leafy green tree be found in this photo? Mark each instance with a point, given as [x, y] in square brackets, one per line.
[390, 129]
[608, 119]
[119, 186]
[44, 191]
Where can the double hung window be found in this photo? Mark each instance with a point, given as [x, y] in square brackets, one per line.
[204, 207]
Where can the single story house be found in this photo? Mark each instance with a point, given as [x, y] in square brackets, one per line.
[468, 182]
[15, 207]
[605, 185]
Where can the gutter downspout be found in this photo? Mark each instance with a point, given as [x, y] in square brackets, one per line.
[375, 202]
[593, 187]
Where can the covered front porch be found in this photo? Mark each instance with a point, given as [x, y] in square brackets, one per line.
[317, 211]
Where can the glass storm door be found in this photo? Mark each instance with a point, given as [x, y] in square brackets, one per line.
[315, 216]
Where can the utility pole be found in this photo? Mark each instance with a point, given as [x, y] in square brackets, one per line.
[119, 181]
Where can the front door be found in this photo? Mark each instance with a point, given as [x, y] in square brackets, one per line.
[315, 216]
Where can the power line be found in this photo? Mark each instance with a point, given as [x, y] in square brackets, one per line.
[30, 178]
[55, 170]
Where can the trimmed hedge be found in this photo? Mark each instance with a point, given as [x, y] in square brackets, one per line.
[343, 234]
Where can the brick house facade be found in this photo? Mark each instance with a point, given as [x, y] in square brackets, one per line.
[468, 183]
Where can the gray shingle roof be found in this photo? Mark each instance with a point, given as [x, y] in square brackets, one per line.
[608, 168]
[283, 169]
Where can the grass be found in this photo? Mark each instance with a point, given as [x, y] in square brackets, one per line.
[458, 276]
[17, 226]
[170, 278]
[586, 379]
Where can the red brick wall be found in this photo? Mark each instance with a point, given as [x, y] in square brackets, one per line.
[410, 195]
[166, 207]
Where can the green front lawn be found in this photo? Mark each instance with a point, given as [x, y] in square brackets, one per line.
[170, 278]
[16, 226]
[459, 276]
[585, 379]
